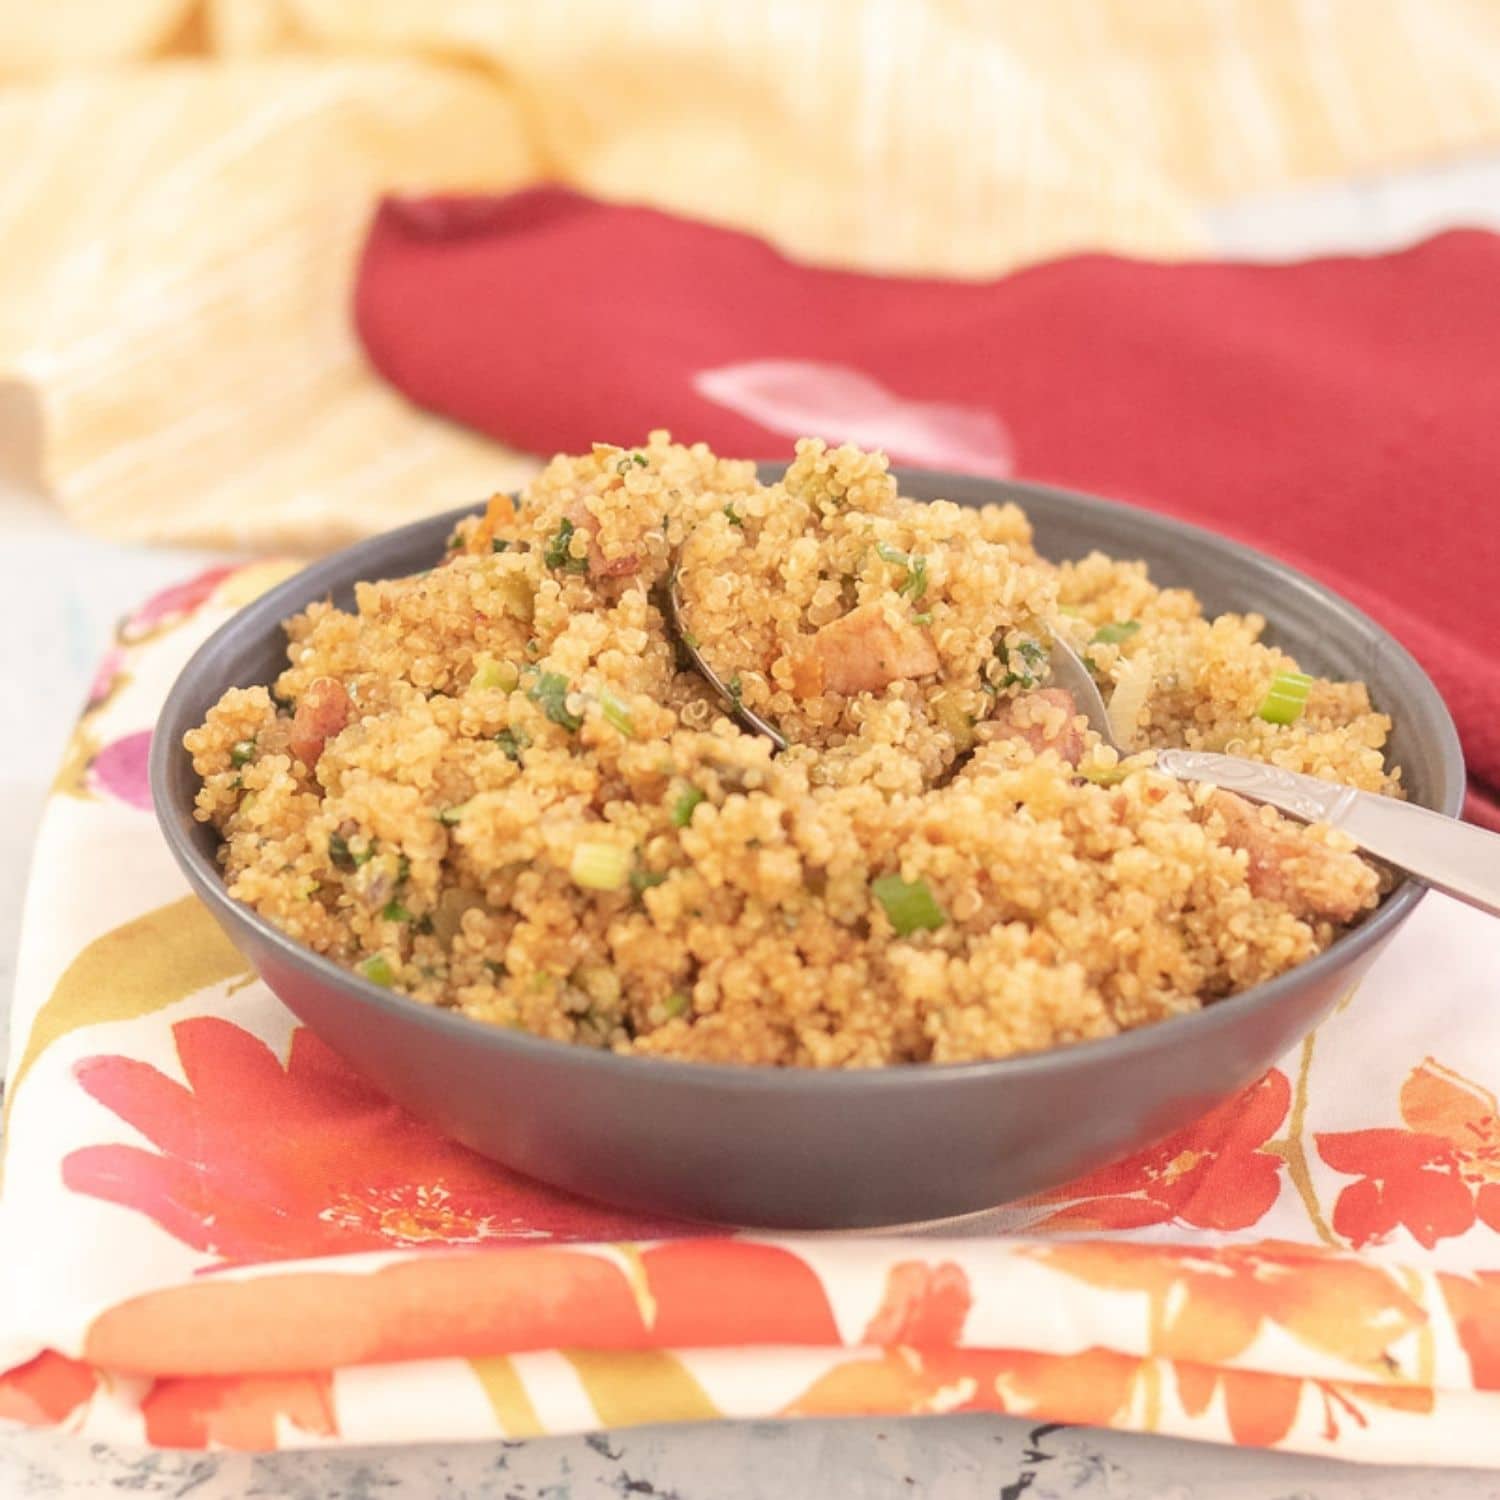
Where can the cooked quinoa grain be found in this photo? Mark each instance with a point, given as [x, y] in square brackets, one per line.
[497, 788]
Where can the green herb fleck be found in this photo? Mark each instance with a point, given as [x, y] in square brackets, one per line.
[682, 808]
[550, 693]
[242, 753]
[342, 856]
[499, 544]
[512, 742]
[922, 619]
[395, 912]
[735, 518]
[558, 554]
[1024, 665]
[643, 880]
[675, 1004]
[914, 585]
[452, 815]
[403, 869]
[736, 689]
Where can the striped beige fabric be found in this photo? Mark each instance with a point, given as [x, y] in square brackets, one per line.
[188, 180]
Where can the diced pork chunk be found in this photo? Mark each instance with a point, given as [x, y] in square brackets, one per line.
[1289, 865]
[863, 652]
[322, 712]
[1033, 717]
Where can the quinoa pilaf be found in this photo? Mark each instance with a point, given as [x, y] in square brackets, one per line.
[498, 788]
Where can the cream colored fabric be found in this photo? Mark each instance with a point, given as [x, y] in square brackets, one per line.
[188, 180]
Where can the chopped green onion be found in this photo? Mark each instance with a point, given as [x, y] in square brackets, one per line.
[736, 689]
[559, 554]
[915, 583]
[242, 753]
[911, 907]
[682, 808]
[616, 713]
[489, 673]
[1112, 635]
[689, 639]
[499, 544]
[452, 815]
[403, 869]
[1023, 665]
[342, 856]
[633, 457]
[643, 880]
[455, 540]
[601, 867]
[377, 969]
[512, 742]
[922, 619]
[1106, 775]
[674, 1004]
[395, 912]
[735, 518]
[1286, 701]
[550, 693]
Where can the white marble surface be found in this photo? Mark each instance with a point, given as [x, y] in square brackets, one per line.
[59, 597]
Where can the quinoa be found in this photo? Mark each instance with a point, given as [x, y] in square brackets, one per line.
[497, 786]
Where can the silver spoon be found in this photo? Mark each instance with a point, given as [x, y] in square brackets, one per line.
[1441, 852]
[689, 644]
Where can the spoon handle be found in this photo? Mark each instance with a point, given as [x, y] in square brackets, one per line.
[1439, 851]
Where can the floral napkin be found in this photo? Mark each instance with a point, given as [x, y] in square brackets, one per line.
[213, 1233]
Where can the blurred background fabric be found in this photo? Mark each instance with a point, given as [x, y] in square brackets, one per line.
[189, 181]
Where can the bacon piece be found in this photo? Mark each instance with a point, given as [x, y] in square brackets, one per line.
[1034, 726]
[863, 652]
[1289, 866]
[321, 714]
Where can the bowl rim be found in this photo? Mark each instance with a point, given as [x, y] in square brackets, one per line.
[272, 607]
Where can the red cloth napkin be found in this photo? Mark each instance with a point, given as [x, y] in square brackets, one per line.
[1343, 414]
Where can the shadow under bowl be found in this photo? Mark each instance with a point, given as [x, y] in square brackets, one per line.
[802, 1149]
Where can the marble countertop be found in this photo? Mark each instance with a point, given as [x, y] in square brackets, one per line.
[59, 597]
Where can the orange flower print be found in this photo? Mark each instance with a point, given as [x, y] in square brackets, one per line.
[1435, 1177]
[1207, 1306]
[1091, 1387]
[332, 1166]
[924, 1305]
[1260, 1408]
[1216, 1174]
[236, 1411]
[1475, 1309]
[45, 1390]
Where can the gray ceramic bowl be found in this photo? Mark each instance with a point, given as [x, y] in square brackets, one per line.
[803, 1149]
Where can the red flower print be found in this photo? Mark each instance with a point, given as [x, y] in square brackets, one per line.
[1435, 1177]
[45, 1390]
[121, 769]
[236, 1411]
[924, 1305]
[258, 1162]
[172, 604]
[1216, 1174]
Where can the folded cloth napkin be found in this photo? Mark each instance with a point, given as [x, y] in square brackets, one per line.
[1338, 413]
[213, 1234]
